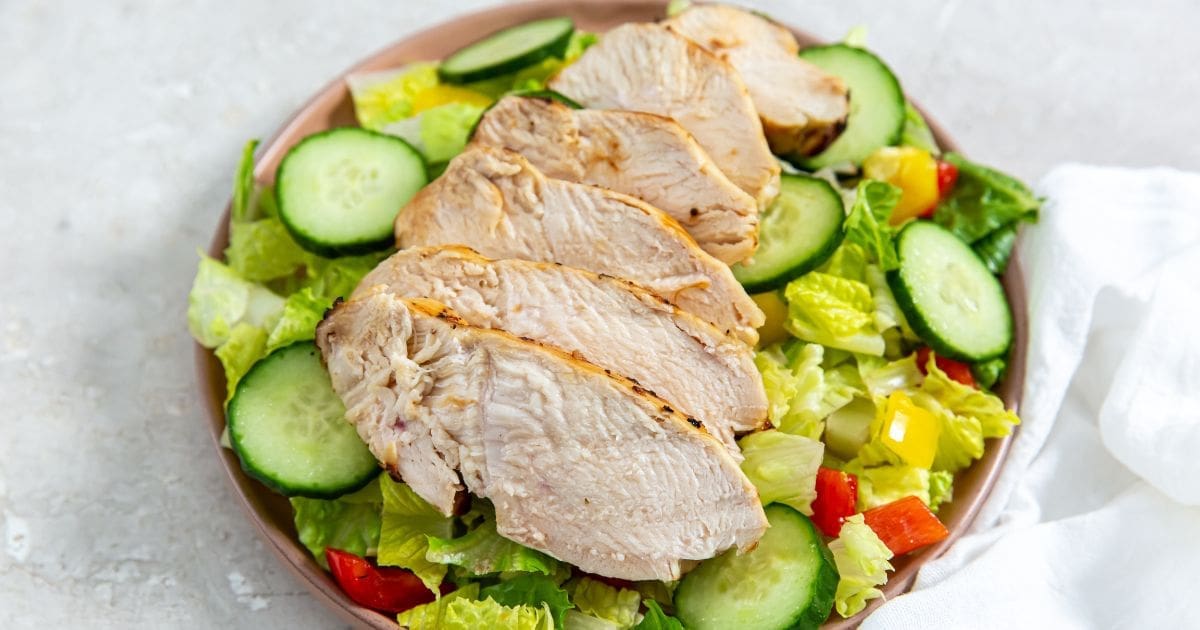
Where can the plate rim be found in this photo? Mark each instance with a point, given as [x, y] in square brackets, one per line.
[288, 549]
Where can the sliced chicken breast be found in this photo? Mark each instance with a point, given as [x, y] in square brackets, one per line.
[495, 202]
[609, 322]
[580, 464]
[649, 68]
[642, 155]
[802, 108]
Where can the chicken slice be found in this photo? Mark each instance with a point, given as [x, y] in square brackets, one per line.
[609, 322]
[642, 155]
[649, 68]
[802, 108]
[580, 464]
[495, 202]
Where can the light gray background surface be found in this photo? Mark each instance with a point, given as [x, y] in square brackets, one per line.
[120, 126]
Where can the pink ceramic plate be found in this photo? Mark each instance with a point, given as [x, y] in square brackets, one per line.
[332, 107]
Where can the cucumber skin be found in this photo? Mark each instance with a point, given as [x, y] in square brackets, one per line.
[821, 603]
[814, 162]
[263, 477]
[921, 326]
[314, 244]
[556, 48]
[819, 257]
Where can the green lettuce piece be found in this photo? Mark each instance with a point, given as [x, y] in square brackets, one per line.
[332, 278]
[245, 346]
[675, 7]
[984, 208]
[302, 311]
[801, 392]
[597, 599]
[461, 610]
[445, 130]
[220, 300]
[534, 590]
[243, 184]
[432, 616]
[917, 132]
[783, 467]
[848, 261]
[483, 551]
[833, 311]
[383, 98]
[661, 592]
[263, 250]
[887, 314]
[994, 419]
[988, 373]
[656, 619]
[941, 488]
[781, 383]
[960, 440]
[862, 564]
[349, 523]
[406, 525]
[882, 377]
[575, 620]
[867, 224]
[880, 485]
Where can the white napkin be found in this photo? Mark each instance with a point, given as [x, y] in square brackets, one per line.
[1093, 522]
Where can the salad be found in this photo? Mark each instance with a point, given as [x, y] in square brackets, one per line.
[849, 291]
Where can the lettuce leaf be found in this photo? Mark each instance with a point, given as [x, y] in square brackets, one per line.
[407, 523]
[597, 599]
[302, 311]
[445, 130]
[916, 131]
[833, 311]
[263, 250]
[461, 610]
[220, 300]
[848, 261]
[862, 564]
[783, 467]
[964, 400]
[984, 208]
[332, 278]
[482, 550]
[880, 485]
[941, 488]
[381, 98]
[575, 620]
[243, 184]
[245, 346]
[988, 373]
[656, 619]
[882, 377]
[531, 590]
[350, 523]
[867, 224]
[960, 441]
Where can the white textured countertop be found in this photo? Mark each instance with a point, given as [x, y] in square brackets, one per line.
[120, 126]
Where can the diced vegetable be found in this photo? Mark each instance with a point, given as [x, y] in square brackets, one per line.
[956, 370]
[849, 428]
[947, 176]
[862, 564]
[788, 581]
[905, 525]
[914, 171]
[837, 498]
[386, 589]
[909, 431]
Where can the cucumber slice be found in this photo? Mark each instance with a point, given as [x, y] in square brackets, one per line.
[798, 232]
[788, 581]
[877, 105]
[949, 296]
[288, 427]
[508, 50]
[339, 191]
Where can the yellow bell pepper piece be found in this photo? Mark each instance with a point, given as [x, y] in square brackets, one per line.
[443, 94]
[909, 431]
[914, 171]
[776, 310]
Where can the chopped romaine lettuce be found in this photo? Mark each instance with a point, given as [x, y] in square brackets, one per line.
[882, 377]
[656, 619]
[220, 300]
[848, 261]
[941, 488]
[407, 525]
[332, 278]
[984, 208]
[531, 590]
[575, 620]
[597, 599]
[446, 129]
[302, 311]
[349, 523]
[246, 345]
[783, 467]
[880, 485]
[243, 184]
[961, 438]
[833, 311]
[964, 400]
[917, 132]
[482, 551]
[862, 564]
[461, 610]
[867, 224]
[263, 250]
[381, 98]
[432, 616]
[800, 391]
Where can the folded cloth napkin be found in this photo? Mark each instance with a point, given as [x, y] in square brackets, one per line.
[1094, 521]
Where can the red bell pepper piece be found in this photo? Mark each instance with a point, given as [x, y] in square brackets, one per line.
[386, 589]
[905, 524]
[956, 370]
[947, 176]
[837, 495]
